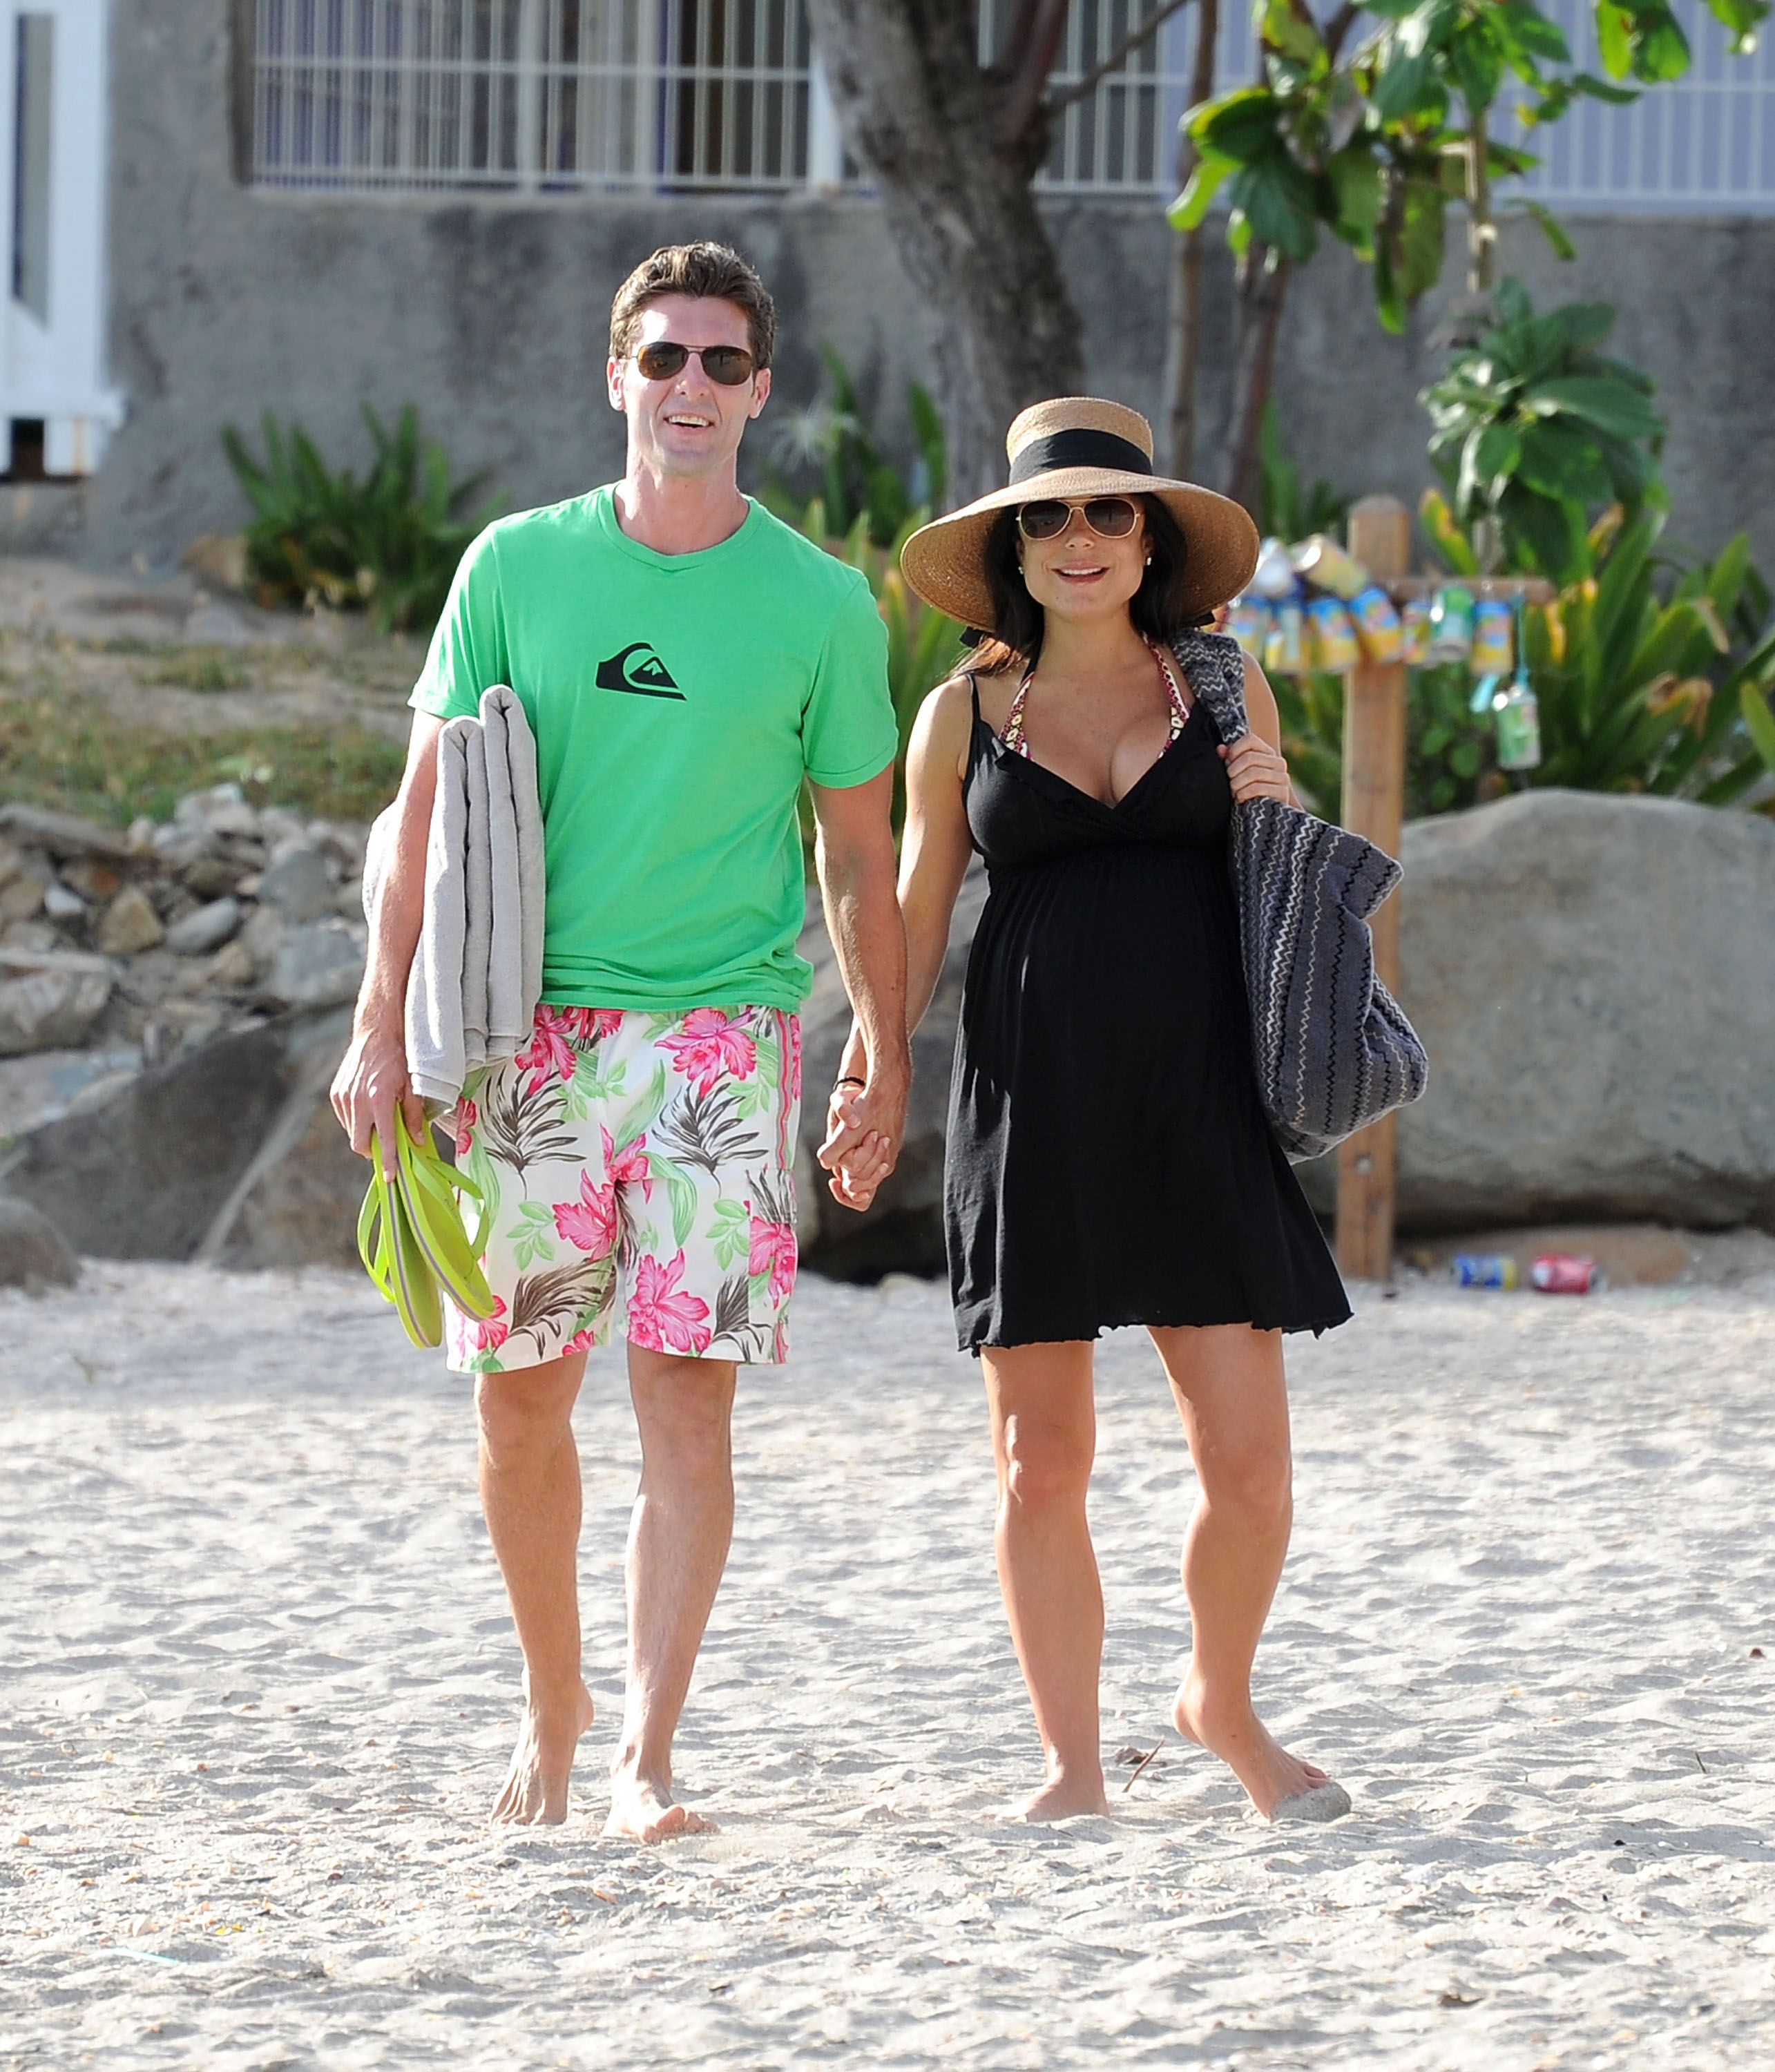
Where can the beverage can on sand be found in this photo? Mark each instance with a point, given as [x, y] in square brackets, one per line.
[1377, 625]
[1333, 638]
[1326, 566]
[1248, 622]
[1483, 1270]
[1565, 1274]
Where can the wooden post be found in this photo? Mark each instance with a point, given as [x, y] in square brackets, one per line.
[1373, 805]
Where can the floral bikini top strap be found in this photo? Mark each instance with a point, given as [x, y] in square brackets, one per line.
[1013, 735]
[1173, 690]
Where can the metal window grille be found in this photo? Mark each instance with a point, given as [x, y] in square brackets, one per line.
[1704, 143]
[1122, 137]
[571, 95]
[539, 96]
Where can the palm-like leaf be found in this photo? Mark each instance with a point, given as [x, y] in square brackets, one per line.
[523, 1129]
[705, 1130]
[559, 1296]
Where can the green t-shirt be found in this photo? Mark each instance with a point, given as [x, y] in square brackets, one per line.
[677, 701]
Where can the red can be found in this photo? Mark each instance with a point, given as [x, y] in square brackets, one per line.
[1564, 1273]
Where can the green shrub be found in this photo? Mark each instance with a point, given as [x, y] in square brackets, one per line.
[388, 545]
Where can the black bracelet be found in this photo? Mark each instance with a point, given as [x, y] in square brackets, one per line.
[849, 1079]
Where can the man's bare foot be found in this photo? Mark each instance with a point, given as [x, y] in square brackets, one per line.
[1062, 1797]
[1234, 1733]
[535, 1792]
[643, 1809]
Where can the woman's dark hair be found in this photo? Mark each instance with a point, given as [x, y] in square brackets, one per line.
[1156, 608]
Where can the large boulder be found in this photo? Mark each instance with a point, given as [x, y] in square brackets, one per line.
[167, 1163]
[1594, 979]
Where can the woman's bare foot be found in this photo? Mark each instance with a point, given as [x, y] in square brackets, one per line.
[1234, 1733]
[643, 1809]
[1063, 1798]
[535, 1792]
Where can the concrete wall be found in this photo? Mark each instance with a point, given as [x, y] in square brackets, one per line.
[492, 315]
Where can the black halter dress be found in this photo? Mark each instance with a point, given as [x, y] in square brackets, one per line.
[1108, 1162]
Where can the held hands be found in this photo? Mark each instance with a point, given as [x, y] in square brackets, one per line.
[865, 1122]
[1257, 770]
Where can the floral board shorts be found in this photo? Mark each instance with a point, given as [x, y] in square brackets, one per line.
[648, 1155]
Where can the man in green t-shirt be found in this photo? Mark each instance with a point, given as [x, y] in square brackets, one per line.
[685, 661]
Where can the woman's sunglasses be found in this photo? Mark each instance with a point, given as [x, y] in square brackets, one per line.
[1110, 517]
[727, 365]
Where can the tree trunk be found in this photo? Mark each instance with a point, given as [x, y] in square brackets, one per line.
[1183, 353]
[1481, 227]
[1262, 290]
[918, 111]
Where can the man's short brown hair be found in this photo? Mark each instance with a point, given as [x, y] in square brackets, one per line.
[702, 269]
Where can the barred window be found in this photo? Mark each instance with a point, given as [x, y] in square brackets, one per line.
[561, 96]
[538, 95]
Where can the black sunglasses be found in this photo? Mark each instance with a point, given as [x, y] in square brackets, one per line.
[1110, 517]
[727, 365]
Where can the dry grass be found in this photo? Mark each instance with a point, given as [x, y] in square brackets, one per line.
[71, 752]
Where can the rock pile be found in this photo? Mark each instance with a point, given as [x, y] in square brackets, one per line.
[167, 935]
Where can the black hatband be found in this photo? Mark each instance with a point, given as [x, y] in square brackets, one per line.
[1081, 448]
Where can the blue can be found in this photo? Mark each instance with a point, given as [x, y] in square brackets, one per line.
[1484, 1269]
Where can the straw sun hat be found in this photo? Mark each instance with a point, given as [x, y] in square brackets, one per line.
[1074, 447]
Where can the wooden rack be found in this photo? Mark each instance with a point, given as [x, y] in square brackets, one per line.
[1373, 805]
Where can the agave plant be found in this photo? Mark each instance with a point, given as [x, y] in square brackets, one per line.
[389, 544]
[1536, 430]
[1644, 692]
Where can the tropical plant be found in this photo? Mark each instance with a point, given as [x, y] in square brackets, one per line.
[1535, 431]
[832, 440]
[389, 543]
[1285, 510]
[1640, 691]
[1370, 136]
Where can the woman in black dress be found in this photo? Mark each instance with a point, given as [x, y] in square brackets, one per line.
[1108, 1162]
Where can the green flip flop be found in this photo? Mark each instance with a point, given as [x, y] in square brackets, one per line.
[411, 1238]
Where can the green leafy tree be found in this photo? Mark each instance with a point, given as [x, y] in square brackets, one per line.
[1535, 432]
[1368, 128]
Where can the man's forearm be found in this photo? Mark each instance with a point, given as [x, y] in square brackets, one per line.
[400, 912]
[863, 919]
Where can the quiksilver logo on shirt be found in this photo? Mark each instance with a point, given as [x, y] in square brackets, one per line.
[638, 668]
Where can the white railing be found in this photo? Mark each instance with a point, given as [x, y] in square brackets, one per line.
[560, 97]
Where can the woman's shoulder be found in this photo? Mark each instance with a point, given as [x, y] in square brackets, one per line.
[989, 691]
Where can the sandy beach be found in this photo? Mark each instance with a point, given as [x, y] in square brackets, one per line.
[259, 1690]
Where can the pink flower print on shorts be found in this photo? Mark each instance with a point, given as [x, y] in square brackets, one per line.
[635, 1164]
